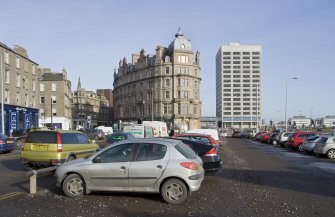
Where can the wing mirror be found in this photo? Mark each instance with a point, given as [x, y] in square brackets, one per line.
[97, 160]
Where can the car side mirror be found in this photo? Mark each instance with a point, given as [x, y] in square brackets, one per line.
[97, 160]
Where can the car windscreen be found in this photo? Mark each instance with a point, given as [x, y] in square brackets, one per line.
[312, 138]
[116, 138]
[186, 151]
[323, 140]
[42, 137]
[3, 136]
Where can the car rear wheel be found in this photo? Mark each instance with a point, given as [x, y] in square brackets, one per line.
[331, 153]
[174, 191]
[300, 147]
[73, 185]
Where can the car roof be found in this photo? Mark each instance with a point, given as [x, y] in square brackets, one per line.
[60, 131]
[165, 141]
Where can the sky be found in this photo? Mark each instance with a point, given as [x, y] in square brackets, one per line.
[89, 38]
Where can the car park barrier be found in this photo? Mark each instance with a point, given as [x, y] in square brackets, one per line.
[33, 177]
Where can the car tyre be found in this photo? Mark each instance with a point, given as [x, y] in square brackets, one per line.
[96, 138]
[300, 148]
[73, 185]
[174, 191]
[331, 153]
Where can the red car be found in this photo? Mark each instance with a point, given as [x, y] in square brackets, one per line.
[295, 141]
[265, 137]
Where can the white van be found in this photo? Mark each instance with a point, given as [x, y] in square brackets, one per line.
[139, 130]
[160, 128]
[106, 130]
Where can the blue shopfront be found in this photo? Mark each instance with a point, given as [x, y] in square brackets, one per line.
[19, 120]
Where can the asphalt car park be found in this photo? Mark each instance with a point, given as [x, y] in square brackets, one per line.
[256, 180]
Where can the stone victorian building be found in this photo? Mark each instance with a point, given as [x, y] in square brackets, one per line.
[88, 109]
[164, 87]
[55, 99]
[18, 82]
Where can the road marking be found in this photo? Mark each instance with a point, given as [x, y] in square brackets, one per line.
[12, 194]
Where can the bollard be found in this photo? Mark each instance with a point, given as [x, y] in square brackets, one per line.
[33, 177]
[33, 182]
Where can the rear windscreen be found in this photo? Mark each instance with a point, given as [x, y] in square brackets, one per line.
[42, 137]
[186, 151]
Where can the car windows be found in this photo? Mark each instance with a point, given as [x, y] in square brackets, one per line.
[301, 136]
[42, 137]
[151, 151]
[120, 153]
[186, 151]
[82, 139]
[312, 138]
[69, 138]
[322, 140]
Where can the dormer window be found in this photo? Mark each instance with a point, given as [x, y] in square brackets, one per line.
[167, 59]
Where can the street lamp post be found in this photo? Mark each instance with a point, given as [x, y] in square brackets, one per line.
[152, 104]
[2, 99]
[293, 78]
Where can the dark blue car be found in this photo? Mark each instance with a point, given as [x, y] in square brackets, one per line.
[6, 144]
[118, 136]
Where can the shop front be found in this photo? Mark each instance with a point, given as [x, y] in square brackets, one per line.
[19, 120]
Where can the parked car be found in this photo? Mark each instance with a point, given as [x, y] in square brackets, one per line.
[258, 135]
[274, 138]
[54, 147]
[295, 141]
[236, 134]
[212, 132]
[309, 144]
[265, 137]
[212, 162]
[325, 146]
[202, 137]
[164, 166]
[95, 134]
[7, 144]
[283, 137]
[116, 137]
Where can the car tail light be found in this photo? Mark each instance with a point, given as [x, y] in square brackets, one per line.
[59, 143]
[2, 142]
[189, 165]
[211, 152]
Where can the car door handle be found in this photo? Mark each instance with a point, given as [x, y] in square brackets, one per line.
[123, 168]
[159, 166]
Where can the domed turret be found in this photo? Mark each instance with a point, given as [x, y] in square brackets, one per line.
[180, 43]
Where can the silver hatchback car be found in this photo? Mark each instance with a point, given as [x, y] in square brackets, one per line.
[163, 166]
[325, 145]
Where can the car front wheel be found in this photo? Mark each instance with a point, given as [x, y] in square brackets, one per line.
[331, 153]
[73, 185]
[174, 191]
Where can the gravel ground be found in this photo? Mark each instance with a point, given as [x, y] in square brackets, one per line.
[250, 184]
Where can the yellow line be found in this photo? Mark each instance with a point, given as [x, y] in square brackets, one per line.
[12, 194]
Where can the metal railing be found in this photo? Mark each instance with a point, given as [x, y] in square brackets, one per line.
[33, 177]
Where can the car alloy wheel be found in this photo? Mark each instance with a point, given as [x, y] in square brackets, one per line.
[174, 191]
[300, 147]
[73, 185]
[331, 153]
[96, 138]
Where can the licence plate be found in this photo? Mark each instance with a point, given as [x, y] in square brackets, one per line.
[40, 147]
[9, 141]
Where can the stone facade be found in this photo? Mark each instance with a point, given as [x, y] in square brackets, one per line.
[55, 99]
[20, 82]
[108, 94]
[88, 109]
[163, 87]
